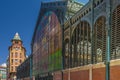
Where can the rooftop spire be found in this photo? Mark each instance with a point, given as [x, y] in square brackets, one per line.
[17, 37]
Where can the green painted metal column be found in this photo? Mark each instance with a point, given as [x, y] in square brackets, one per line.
[108, 23]
[92, 32]
[63, 51]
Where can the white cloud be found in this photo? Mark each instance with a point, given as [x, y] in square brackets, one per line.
[26, 56]
[4, 65]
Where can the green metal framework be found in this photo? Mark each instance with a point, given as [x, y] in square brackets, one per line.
[99, 43]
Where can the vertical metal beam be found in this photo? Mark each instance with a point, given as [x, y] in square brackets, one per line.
[83, 28]
[80, 44]
[77, 45]
[108, 23]
[70, 54]
[87, 43]
[92, 30]
[74, 47]
[92, 36]
[70, 60]
[96, 43]
[63, 49]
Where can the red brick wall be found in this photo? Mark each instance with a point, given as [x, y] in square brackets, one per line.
[98, 74]
[65, 76]
[77, 75]
[57, 75]
[115, 73]
[80, 75]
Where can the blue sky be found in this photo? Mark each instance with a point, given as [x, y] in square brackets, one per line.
[18, 16]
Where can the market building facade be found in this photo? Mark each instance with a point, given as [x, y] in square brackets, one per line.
[47, 38]
[24, 70]
[80, 47]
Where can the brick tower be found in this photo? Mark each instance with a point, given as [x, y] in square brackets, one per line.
[17, 55]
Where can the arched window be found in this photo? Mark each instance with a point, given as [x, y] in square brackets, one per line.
[100, 40]
[81, 45]
[115, 30]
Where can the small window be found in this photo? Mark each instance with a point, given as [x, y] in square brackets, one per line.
[12, 68]
[16, 42]
[16, 60]
[17, 48]
[16, 55]
[12, 61]
[20, 61]
[12, 55]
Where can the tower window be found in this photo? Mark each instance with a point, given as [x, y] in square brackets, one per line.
[12, 68]
[12, 61]
[12, 55]
[20, 61]
[16, 54]
[16, 60]
[16, 42]
[16, 48]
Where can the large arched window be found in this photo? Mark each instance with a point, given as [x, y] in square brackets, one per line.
[115, 37]
[100, 39]
[47, 53]
[81, 45]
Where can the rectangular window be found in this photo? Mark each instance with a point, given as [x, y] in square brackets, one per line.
[12, 61]
[16, 61]
[20, 61]
[12, 68]
[11, 55]
[16, 54]
[16, 42]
